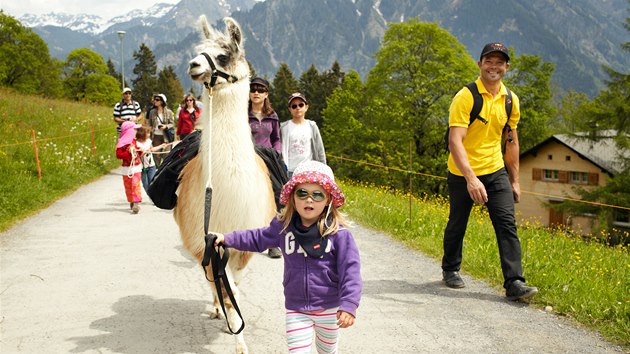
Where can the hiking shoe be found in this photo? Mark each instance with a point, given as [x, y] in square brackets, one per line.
[452, 279]
[274, 252]
[135, 208]
[518, 291]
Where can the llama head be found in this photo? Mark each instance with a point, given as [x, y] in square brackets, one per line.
[223, 50]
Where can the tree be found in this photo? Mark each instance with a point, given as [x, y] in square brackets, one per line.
[284, 84]
[343, 131]
[86, 78]
[317, 87]
[111, 69]
[610, 109]
[25, 62]
[170, 86]
[419, 68]
[145, 84]
[529, 77]
[310, 86]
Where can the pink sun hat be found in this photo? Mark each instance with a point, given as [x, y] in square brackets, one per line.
[313, 172]
[127, 133]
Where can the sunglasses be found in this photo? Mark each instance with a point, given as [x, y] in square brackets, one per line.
[317, 196]
[257, 90]
[189, 100]
[157, 99]
[294, 106]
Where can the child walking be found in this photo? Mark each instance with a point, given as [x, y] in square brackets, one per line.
[148, 164]
[128, 151]
[322, 278]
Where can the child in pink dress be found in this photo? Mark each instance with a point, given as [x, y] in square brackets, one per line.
[128, 151]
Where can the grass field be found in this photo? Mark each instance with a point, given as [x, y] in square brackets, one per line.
[586, 281]
[75, 144]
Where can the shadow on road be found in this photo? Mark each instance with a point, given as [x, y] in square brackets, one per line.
[143, 324]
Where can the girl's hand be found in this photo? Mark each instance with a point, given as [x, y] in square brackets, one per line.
[220, 239]
[344, 319]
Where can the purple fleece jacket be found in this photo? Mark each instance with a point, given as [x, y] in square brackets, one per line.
[334, 280]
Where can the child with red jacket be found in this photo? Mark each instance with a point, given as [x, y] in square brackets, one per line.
[128, 151]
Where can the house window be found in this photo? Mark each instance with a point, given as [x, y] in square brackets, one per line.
[578, 177]
[550, 175]
[568, 158]
[549, 157]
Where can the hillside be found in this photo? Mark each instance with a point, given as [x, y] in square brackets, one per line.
[579, 36]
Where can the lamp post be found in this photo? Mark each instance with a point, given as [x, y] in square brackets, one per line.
[121, 35]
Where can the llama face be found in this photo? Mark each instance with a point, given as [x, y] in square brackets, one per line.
[224, 49]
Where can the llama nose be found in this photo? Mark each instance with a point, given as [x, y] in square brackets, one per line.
[193, 64]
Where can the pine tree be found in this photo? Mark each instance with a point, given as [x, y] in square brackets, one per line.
[145, 84]
[284, 84]
[171, 87]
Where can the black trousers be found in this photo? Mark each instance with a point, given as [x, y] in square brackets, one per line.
[501, 209]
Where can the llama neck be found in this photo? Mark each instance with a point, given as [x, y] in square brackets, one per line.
[226, 134]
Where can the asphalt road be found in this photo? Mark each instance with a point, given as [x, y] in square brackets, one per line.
[87, 276]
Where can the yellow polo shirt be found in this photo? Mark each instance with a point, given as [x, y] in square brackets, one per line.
[483, 139]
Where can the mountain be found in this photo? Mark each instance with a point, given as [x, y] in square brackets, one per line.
[579, 36]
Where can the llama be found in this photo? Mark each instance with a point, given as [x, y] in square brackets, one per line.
[242, 195]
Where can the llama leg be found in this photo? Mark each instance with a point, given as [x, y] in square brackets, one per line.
[233, 316]
[215, 312]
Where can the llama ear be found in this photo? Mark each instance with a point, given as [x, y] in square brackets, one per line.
[205, 28]
[233, 30]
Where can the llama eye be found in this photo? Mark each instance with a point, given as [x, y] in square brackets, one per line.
[223, 59]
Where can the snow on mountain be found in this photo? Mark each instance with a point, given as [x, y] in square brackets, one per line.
[93, 24]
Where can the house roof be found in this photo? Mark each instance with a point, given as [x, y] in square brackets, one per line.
[602, 151]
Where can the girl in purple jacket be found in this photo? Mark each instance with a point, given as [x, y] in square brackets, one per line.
[322, 277]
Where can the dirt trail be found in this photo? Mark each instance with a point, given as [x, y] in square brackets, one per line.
[86, 276]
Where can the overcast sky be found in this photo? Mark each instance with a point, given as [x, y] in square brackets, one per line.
[103, 8]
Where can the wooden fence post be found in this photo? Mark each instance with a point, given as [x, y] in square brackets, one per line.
[39, 168]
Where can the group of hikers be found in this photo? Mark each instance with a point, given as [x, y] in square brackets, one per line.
[323, 294]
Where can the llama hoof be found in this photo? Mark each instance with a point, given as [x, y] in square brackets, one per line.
[215, 314]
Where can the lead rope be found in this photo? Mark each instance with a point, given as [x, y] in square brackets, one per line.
[212, 254]
[131, 165]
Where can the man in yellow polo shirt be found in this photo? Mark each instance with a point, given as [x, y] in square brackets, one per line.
[480, 172]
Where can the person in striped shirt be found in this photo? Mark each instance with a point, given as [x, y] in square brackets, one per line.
[127, 110]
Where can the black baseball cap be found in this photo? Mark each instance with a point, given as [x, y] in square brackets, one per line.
[297, 95]
[259, 81]
[495, 47]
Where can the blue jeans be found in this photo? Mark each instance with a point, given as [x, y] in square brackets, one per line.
[147, 175]
[501, 209]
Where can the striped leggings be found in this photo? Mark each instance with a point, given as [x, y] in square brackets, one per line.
[300, 327]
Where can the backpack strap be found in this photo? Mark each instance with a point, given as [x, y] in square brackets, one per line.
[477, 101]
[508, 102]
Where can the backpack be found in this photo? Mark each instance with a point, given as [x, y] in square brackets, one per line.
[166, 180]
[476, 109]
[277, 170]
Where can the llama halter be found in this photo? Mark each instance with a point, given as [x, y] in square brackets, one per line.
[216, 73]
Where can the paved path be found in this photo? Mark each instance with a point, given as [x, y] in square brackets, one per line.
[86, 276]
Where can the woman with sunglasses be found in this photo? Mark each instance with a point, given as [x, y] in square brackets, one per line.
[263, 120]
[301, 140]
[265, 125]
[322, 276]
[161, 119]
[188, 117]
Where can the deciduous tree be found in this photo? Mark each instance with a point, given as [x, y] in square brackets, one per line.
[25, 62]
[86, 78]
